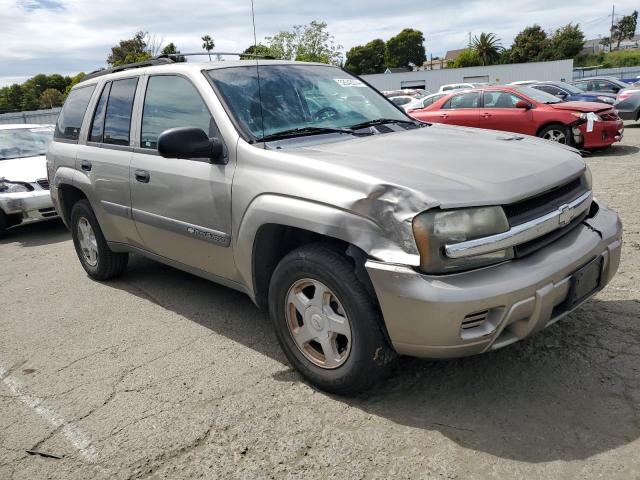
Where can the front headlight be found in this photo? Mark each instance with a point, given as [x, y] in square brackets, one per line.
[584, 116]
[435, 229]
[608, 100]
[13, 187]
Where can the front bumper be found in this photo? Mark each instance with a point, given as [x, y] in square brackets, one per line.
[604, 133]
[29, 207]
[430, 316]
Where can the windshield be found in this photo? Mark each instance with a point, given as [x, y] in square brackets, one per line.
[298, 97]
[569, 88]
[24, 142]
[537, 95]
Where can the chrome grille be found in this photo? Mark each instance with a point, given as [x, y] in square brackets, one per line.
[43, 182]
[539, 205]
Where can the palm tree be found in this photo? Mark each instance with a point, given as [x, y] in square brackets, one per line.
[488, 47]
[208, 44]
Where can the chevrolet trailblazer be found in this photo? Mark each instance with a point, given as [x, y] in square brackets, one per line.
[363, 232]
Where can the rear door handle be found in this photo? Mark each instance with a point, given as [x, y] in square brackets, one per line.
[85, 165]
[486, 115]
[142, 176]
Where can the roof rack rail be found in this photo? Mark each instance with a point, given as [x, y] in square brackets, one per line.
[165, 59]
[192, 54]
[128, 66]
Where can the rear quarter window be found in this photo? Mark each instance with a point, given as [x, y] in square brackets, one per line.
[70, 118]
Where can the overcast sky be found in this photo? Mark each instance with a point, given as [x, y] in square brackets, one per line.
[68, 36]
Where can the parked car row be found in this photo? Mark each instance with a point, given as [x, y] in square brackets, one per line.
[531, 111]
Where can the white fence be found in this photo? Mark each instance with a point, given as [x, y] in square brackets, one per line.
[48, 116]
[501, 74]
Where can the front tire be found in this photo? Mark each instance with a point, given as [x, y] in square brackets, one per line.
[97, 259]
[326, 321]
[557, 133]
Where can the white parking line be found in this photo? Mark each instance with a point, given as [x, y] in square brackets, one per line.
[76, 437]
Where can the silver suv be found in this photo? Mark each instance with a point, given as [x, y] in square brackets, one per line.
[365, 233]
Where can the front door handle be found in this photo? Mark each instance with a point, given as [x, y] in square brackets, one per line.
[85, 165]
[486, 115]
[142, 176]
[444, 115]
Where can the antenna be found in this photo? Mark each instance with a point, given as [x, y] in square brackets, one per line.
[255, 50]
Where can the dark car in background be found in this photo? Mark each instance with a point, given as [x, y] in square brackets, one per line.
[628, 104]
[600, 84]
[571, 93]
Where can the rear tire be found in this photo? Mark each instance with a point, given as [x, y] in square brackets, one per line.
[558, 133]
[97, 259]
[342, 320]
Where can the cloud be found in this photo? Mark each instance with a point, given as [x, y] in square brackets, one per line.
[67, 36]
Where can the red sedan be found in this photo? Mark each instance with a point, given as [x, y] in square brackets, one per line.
[522, 109]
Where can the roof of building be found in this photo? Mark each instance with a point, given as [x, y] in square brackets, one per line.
[453, 54]
[398, 69]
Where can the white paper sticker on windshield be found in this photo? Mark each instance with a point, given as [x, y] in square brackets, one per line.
[349, 82]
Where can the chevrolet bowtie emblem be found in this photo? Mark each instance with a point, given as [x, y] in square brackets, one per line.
[566, 215]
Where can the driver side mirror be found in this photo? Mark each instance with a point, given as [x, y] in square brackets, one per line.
[190, 143]
[523, 104]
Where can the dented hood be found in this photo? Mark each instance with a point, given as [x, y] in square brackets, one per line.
[27, 169]
[453, 166]
[581, 106]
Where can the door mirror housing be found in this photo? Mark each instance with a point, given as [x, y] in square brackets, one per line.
[523, 104]
[190, 143]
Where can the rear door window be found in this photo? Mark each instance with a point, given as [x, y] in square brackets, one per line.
[172, 101]
[465, 100]
[497, 99]
[97, 124]
[70, 118]
[117, 121]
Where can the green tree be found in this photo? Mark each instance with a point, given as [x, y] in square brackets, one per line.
[50, 98]
[487, 46]
[73, 81]
[407, 47]
[567, 42]
[625, 28]
[135, 49]
[208, 44]
[307, 43]
[11, 98]
[58, 82]
[172, 50]
[260, 50]
[467, 58]
[530, 45]
[365, 59]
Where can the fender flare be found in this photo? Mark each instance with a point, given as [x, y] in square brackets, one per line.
[314, 217]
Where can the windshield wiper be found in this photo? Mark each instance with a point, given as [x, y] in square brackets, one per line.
[302, 131]
[380, 121]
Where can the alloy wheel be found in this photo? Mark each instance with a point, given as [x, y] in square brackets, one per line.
[318, 323]
[87, 242]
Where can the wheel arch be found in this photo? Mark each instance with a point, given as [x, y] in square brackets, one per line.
[550, 123]
[274, 225]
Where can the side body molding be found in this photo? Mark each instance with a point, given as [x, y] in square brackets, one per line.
[315, 217]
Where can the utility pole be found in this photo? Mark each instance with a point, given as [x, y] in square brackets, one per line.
[613, 16]
[469, 40]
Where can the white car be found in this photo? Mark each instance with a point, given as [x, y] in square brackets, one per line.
[452, 87]
[407, 102]
[24, 188]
